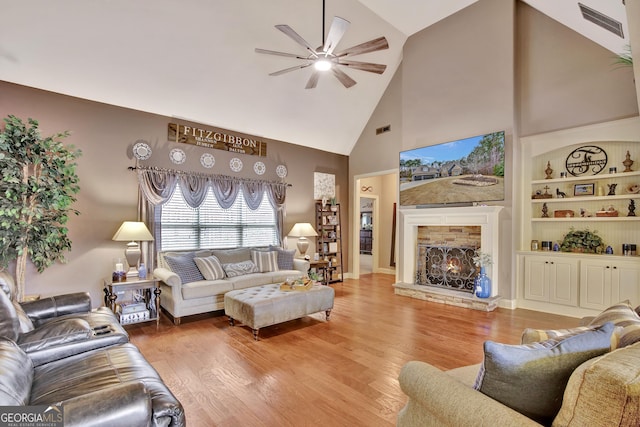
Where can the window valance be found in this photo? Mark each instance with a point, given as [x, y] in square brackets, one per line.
[157, 186]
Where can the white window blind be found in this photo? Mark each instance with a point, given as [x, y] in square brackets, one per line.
[210, 226]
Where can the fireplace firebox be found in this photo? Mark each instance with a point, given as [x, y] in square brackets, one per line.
[449, 267]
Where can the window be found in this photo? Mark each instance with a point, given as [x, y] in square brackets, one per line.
[210, 226]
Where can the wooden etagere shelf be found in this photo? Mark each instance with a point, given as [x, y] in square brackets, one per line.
[329, 241]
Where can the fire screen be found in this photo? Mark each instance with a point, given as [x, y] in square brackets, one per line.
[446, 266]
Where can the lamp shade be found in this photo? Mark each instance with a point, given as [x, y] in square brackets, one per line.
[131, 231]
[302, 229]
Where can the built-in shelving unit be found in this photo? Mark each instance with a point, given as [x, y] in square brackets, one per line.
[579, 283]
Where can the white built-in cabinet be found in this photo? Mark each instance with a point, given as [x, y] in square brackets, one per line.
[606, 282]
[578, 284]
[551, 279]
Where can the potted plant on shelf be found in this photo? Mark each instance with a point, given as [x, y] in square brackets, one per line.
[585, 241]
[38, 184]
[334, 204]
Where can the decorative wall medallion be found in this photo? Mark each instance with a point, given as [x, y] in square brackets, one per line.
[586, 159]
[235, 164]
[141, 151]
[177, 156]
[259, 168]
[281, 171]
[207, 160]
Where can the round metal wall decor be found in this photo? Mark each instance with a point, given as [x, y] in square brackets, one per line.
[281, 171]
[586, 159]
[235, 164]
[207, 160]
[259, 168]
[177, 156]
[142, 151]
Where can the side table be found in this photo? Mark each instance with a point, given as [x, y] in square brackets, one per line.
[321, 265]
[151, 294]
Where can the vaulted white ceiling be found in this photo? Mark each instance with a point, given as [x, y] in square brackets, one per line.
[195, 59]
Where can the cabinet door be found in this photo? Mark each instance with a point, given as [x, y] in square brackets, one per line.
[536, 278]
[563, 281]
[595, 284]
[625, 282]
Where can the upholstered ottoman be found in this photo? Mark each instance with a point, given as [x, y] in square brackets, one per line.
[267, 305]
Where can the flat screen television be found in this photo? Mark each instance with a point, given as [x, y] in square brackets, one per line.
[463, 172]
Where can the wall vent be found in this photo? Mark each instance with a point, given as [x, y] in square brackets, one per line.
[601, 20]
[383, 129]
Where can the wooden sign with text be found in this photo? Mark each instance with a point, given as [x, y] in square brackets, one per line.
[216, 139]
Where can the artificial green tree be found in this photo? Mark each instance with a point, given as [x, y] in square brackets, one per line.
[37, 189]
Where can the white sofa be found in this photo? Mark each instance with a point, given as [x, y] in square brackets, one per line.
[180, 299]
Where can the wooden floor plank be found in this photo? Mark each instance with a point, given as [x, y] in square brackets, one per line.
[313, 372]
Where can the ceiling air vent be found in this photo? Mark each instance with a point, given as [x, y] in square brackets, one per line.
[383, 129]
[601, 20]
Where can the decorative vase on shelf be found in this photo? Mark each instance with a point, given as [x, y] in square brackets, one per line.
[482, 285]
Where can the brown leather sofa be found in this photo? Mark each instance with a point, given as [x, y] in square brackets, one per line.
[57, 351]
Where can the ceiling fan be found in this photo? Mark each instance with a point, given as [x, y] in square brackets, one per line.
[324, 58]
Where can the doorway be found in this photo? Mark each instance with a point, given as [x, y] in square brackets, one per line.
[367, 221]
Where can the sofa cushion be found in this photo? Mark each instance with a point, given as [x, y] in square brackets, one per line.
[541, 369]
[232, 256]
[235, 269]
[210, 267]
[265, 261]
[205, 288]
[184, 266]
[55, 333]
[604, 391]
[623, 315]
[17, 374]
[24, 322]
[285, 257]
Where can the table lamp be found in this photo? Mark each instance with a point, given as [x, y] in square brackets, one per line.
[132, 232]
[302, 230]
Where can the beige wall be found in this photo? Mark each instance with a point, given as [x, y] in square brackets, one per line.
[108, 191]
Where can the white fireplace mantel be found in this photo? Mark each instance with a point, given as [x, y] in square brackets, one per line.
[484, 216]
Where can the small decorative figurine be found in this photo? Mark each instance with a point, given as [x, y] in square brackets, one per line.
[545, 211]
[560, 194]
[632, 208]
[627, 163]
[548, 171]
[612, 189]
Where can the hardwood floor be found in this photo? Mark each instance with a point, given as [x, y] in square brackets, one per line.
[309, 372]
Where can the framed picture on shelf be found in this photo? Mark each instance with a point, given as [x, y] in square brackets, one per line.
[584, 189]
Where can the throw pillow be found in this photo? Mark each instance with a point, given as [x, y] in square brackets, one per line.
[185, 267]
[285, 257]
[210, 267]
[624, 316]
[530, 335]
[240, 268]
[265, 261]
[531, 378]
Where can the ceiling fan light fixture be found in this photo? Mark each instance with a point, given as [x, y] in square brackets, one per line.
[323, 64]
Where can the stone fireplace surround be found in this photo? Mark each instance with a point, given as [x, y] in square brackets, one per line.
[410, 219]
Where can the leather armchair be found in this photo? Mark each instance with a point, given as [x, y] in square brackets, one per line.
[56, 327]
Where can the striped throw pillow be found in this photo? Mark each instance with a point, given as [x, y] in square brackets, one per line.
[622, 315]
[210, 267]
[265, 260]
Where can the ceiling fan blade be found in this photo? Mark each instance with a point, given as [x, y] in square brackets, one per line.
[286, 70]
[364, 66]
[313, 80]
[371, 46]
[343, 77]
[296, 37]
[338, 27]
[273, 52]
